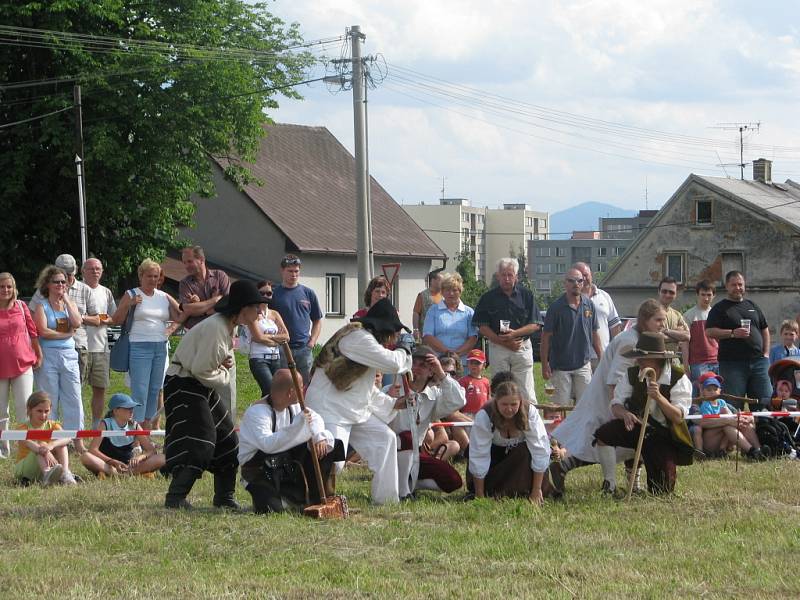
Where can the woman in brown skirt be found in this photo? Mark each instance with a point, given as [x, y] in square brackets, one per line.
[509, 451]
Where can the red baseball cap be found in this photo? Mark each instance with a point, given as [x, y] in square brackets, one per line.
[477, 355]
[710, 375]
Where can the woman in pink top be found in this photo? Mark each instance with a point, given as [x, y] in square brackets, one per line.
[20, 353]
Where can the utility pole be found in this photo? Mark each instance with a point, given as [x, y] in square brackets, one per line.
[79, 166]
[363, 221]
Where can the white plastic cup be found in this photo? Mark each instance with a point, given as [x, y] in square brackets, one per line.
[505, 326]
[745, 323]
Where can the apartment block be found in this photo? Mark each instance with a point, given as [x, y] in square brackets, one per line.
[486, 234]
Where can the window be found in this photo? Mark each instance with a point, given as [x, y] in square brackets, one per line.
[529, 221]
[544, 285]
[465, 217]
[618, 251]
[334, 294]
[561, 252]
[544, 268]
[732, 261]
[673, 266]
[561, 268]
[543, 251]
[703, 212]
[543, 223]
[602, 251]
[601, 267]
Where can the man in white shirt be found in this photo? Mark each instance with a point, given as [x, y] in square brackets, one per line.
[97, 337]
[275, 437]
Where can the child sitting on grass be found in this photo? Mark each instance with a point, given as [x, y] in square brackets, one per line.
[45, 461]
[477, 390]
[717, 435]
[114, 455]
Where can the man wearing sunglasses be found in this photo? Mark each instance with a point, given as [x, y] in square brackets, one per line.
[568, 338]
[301, 313]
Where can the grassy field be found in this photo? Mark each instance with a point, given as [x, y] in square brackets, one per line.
[725, 534]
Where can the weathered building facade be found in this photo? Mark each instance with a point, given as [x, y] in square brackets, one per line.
[712, 225]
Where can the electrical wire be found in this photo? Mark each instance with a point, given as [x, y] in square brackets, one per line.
[573, 119]
[36, 118]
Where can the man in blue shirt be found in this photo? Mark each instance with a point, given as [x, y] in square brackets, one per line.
[569, 336]
[300, 311]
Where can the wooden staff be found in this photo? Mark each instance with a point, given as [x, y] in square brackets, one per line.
[647, 374]
[326, 508]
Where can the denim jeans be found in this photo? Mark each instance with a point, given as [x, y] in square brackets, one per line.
[263, 369]
[59, 376]
[303, 358]
[748, 377]
[146, 368]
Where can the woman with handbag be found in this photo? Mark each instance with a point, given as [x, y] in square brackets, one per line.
[154, 319]
[20, 353]
[57, 317]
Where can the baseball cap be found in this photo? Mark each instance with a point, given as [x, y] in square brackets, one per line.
[122, 401]
[477, 355]
[67, 262]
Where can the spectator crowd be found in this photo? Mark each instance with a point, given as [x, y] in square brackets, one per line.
[406, 402]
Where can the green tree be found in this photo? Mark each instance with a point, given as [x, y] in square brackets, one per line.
[154, 113]
[473, 288]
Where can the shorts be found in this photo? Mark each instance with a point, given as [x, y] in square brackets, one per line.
[96, 370]
[28, 468]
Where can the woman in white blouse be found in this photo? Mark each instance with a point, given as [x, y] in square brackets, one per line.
[154, 320]
[509, 450]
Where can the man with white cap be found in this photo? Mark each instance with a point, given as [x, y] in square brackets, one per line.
[82, 295]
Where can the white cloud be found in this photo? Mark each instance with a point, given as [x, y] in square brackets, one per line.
[675, 66]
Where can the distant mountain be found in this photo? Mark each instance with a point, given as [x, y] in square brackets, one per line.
[584, 217]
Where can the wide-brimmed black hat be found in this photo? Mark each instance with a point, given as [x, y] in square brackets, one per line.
[382, 317]
[243, 293]
[650, 345]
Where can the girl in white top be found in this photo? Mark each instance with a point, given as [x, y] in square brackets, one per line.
[151, 328]
[509, 451]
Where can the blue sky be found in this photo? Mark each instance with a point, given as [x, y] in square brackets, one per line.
[619, 72]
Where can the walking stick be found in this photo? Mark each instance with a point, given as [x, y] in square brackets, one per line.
[334, 507]
[646, 374]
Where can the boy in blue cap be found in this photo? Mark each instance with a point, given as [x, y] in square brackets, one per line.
[718, 435]
[114, 455]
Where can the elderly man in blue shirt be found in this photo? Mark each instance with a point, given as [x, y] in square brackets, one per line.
[569, 336]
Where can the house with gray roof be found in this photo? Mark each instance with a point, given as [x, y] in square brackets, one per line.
[304, 203]
[712, 225]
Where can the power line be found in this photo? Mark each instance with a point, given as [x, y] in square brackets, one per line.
[36, 118]
[506, 112]
[573, 119]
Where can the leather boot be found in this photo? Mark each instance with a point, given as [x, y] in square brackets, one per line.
[225, 490]
[181, 484]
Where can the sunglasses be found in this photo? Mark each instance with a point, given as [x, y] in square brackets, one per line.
[575, 281]
[59, 281]
[291, 261]
[266, 293]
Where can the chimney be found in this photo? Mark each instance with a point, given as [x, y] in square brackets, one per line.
[762, 170]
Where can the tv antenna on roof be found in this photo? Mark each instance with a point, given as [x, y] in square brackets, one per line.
[742, 127]
[443, 178]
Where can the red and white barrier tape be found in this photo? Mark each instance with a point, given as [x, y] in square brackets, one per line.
[774, 413]
[471, 423]
[43, 435]
[16, 435]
